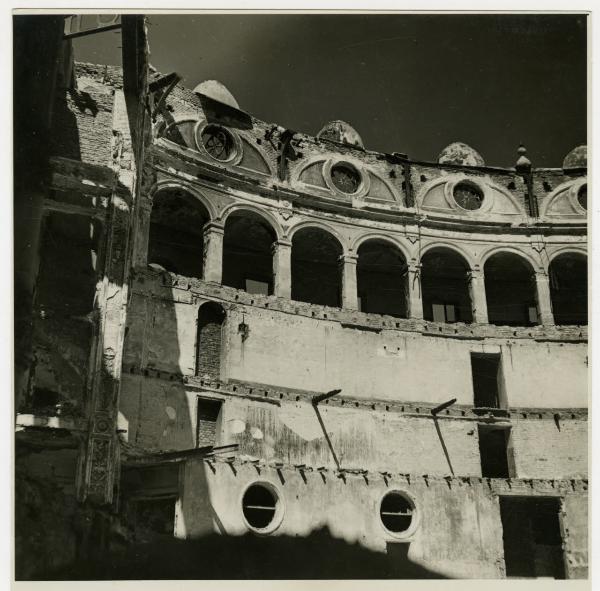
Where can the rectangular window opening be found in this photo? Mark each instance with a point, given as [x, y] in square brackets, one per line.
[494, 451]
[208, 416]
[532, 314]
[485, 370]
[444, 312]
[257, 287]
[532, 537]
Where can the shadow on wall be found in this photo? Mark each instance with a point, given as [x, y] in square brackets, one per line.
[317, 556]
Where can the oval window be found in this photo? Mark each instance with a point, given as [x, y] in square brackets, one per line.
[468, 196]
[260, 505]
[582, 196]
[218, 142]
[345, 178]
[396, 512]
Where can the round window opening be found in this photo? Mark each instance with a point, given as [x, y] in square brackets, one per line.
[345, 177]
[468, 196]
[218, 142]
[396, 512]
[582, 196]
[259, 505]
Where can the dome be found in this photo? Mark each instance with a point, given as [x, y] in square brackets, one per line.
[217, 91]
[341, 133]
[576, 158]
[461, 154]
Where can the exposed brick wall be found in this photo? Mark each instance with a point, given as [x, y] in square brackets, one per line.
[549, 449]
[82, 125]
[208, 415]
[108, 75]
[210, 320]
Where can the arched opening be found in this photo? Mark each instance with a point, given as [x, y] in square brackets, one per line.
[445, 286]
[208, 343]
[316, 271]
[247, 254]
[568, 288]
[510, 290]
[382, 280]
[176, 240]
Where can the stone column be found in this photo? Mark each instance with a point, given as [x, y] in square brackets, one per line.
[414, 297]
[349, 286]
[213, 252]
[282, 268]
[544, 301]
[478, 297]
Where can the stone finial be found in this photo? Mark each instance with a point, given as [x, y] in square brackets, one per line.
[217, 91]
[461, 154]
[523, 163]
[341, 132]
[576, 158]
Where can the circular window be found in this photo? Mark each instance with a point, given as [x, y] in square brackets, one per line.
[468, 196]
[582, 196]
[345, 177]
[218, 142]
[262, 507]
[396, 512]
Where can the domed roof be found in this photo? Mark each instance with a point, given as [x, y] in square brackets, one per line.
[340, 132]
[576, 158]
[461, 154]
[217, 91]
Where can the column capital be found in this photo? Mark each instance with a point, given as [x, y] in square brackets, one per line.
[475, 274]
[213, 227]
[414, 266]
[542, 275]
[282, 243]
[350, 259]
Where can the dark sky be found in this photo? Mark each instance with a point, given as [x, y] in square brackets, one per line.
[407, 83]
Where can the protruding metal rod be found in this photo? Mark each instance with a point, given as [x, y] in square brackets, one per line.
[443, 406]
[320, 397]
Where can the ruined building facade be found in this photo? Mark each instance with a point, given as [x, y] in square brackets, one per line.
[240, 331]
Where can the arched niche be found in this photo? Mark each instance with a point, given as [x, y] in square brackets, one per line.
[208, 342]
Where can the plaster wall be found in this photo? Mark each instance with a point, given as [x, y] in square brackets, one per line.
[161, 415]
[458, 533]
[316, 354]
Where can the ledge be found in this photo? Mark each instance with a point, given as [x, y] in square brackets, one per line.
[498, 486]
[276, 395]
[171, 287]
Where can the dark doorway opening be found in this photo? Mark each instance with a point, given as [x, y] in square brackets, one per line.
[532, 537]
[445, 285]
[494, 451]
[176, 241]
[485, 370]
[382, 279]
[510, 290]
[247, 253]
[568, 289]
[316, 271]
